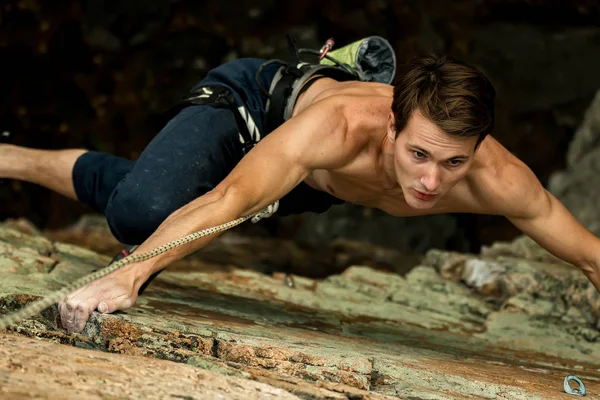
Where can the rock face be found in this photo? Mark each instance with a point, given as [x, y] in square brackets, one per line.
[577, 186]
[31, 369]
[509, 323]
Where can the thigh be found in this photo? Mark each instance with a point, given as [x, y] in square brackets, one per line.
[190, 156]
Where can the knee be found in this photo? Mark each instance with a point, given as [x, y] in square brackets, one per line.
[133, 216]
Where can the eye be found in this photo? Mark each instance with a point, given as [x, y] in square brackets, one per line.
[418, 154]
[454, 163]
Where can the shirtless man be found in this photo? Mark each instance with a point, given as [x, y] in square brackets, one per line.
[419, 147]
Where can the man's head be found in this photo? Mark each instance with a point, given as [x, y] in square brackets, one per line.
[442, 110]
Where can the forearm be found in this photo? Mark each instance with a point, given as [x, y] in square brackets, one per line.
[207, 211]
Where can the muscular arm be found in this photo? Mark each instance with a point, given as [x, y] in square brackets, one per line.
[536, 212]
[317, 138]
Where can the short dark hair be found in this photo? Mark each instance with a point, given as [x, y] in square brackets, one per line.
[455, 96]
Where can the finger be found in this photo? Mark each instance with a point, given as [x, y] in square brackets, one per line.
[67, 307]
[111, 305]
[64, 313]
[103, 307]
[82, 313]
[75, 313]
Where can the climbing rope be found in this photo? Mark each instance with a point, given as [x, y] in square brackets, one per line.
[40, 305]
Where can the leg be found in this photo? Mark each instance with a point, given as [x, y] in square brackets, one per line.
[189, 157]
[49, 168]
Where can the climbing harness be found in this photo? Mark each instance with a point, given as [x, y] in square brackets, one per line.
[45, 302]
[371, 59]
[576, 392]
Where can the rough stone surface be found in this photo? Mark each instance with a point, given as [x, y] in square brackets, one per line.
[587, 137]
[30, 368]
[527, 63]
[509, 323]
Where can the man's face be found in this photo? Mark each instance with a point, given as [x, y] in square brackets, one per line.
[429, 162]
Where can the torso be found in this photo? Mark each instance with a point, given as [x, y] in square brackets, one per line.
[364, 182]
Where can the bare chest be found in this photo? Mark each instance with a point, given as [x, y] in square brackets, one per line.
[367, 188]
[364, 185]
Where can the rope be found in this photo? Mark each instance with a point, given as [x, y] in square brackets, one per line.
[45, 302]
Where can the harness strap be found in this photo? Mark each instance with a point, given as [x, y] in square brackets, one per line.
[280, 94]
[289, 82]
[220, 96]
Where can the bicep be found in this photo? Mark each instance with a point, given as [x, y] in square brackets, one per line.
[314, 139]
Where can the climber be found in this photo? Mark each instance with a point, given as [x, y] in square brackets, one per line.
[421, 146]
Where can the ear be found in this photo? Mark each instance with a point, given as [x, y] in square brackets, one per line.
[391, 127]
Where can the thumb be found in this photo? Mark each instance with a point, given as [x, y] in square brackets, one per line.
[112, 305]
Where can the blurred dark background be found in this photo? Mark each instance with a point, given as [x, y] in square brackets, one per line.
[99, 74]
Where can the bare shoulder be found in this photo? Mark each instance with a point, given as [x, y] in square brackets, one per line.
[318, 137]
[502, 184]
[315, 138]
[362, 107]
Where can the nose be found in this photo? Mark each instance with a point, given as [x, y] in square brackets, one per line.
[431, 180]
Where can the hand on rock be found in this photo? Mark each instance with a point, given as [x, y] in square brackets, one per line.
[117, 291]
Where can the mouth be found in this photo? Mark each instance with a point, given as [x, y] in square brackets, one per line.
[424, 196]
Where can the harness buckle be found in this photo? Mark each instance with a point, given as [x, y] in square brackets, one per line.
[293, 70]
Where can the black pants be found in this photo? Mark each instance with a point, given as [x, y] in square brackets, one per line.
[185, 160]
